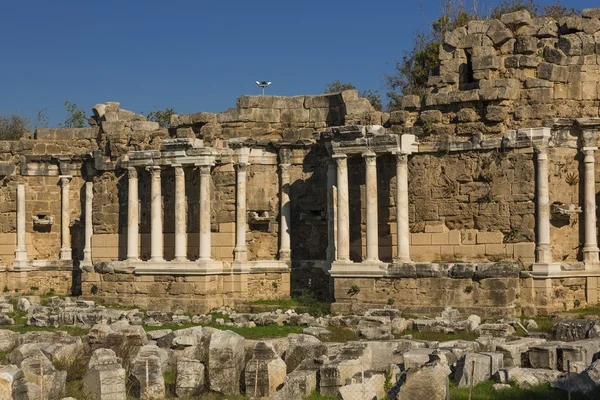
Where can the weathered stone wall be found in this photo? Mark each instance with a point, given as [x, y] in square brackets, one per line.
[516, 72]
[193, 294]
[499, 297]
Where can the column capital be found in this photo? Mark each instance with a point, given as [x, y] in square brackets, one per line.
[204, 169]
[401, 157]
[132, 172]
[241, 166]
[370, 158]
[339, 156]
[542, 151]
[178, 169]
[284, 167]
[154, 171]
[65, 179]
[284, 155]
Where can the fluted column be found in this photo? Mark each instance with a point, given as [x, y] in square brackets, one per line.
[65, 220]
[343, 209]
[132, 215]
[543, 249]
[241, 250]
[371, 195]
[402, 208]
[180, 219]
[156, 223]
[205, 244]
[89, 230]
[590, 247]
[331, 230]
[21, 250]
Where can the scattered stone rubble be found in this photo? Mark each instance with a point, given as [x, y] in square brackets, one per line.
[205, 359]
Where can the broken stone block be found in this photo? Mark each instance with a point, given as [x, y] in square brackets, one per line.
[105, 377]
[305, 347]
[155, 385]
[12, 383]
[8, 340]
[496, 330]
[527, 378]
[482, 365]
[427, 382]
[190, 378]
[579, 354]
[586, 382]
[37, 368]
[515, 350]
[571, 330]
[516, 19]
[265, 371]
[226, 361]
[354, 358]
[544, 355]
[297, 385]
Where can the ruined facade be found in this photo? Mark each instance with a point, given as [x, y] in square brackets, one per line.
[481, 194]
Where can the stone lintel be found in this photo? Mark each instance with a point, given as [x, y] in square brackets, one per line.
[202, 267]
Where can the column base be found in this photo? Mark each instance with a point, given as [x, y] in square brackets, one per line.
[366, 269]
[21, 265]
[66, 254]
[285, 254]
[543, 253]
[590, 256]
[546, 269]
[240, 255]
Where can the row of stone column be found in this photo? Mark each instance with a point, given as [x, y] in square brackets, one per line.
[66, 252]
[341, 233]
[156, 222]
[543, 242]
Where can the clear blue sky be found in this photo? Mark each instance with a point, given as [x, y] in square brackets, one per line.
[196, 55]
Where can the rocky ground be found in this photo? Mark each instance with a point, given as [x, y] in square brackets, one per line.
[53, 348]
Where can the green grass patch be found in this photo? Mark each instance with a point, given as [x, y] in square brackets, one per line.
[262, 332]
[303, 301]
[485, 391]
[440, 336]
[319, 396]
[340, 334]
[71, 330]
[589, 310]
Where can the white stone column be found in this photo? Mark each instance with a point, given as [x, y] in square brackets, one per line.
[65, 220]
[180, 214]
[543, 249]
[402, 208]
[286, 212]
[590, 247]
[241, 250]
[371, 206]
[343, 209]
[331, 230]
[156, 223]
[89, 229]
[205, 244]
[21, 250]
[132, 215]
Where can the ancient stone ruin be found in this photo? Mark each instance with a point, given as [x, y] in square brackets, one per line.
[481, 194]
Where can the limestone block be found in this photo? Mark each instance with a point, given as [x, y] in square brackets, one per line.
[526, 45]
[555, 56]
[226, 360]
[155, 385]
[305, 347]
[105, 378]
[298, 385]
[570, 24]
[8, 340]
[571, 45]
[498, 33]
[54, 380]
[552, 72]
[489, 237]
[353, 358]
[526, 378]
[496, 330]
[514, 350]
[190, 378]
[428, 382]
[431, 116]
[487, 62]
[265, 371]
[485, 366]
[544, 355]
[516, 19]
